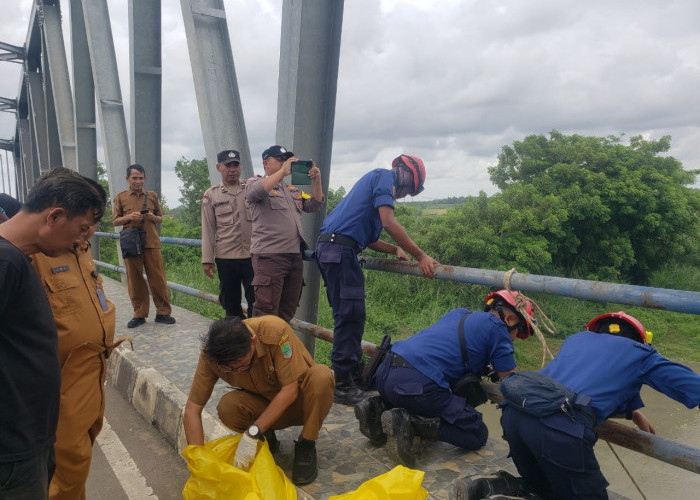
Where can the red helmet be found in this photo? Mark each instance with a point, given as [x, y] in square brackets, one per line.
[595, 324]
[417, 168]
[509, 297]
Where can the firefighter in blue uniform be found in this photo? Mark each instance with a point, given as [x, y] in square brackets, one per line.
[416, 379]
[353, 225]
[609, 363]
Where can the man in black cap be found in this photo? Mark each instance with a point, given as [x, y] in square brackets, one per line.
[226, 229]
[277, 242]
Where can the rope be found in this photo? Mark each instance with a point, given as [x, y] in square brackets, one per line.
[626, 471]
[541, 318]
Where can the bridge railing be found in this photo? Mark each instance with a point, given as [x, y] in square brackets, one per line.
[668, 451]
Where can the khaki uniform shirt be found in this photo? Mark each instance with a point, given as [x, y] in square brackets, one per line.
[277, 217]
[226, 224]
[280, 358]
[128, 202]
[81, 311]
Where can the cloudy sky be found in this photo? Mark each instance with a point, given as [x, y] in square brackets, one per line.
[451, 81]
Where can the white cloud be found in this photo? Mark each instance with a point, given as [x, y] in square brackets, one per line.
[451, 81]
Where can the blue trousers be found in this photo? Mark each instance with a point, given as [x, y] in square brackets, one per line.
[345, 288]
[555, 454]
[404, 387]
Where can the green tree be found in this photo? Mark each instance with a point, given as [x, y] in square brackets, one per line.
[334, 197]
[626, 209]
[194, 175]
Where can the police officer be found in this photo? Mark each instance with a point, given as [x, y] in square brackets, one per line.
[85, 322]
[226, 229]
[608, 363]
[416, 379]
[354, 224]
[279, 386]
[277, 242]
[129, 212]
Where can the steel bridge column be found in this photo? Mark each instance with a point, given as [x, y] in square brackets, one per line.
[215, 83]
[146, 77]
[58, 88]
[83, 95]
[109, 96]
[308, 77]
[37, 117]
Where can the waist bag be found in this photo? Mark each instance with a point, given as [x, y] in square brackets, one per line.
[133, 240]
[368, 374]
[469, 386]
[538, 394]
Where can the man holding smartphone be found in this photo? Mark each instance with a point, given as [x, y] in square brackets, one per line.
[129, 212]
[277, 242]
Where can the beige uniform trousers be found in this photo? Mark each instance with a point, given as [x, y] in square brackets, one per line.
[152, 260]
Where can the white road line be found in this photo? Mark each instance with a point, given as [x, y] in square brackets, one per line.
[128, 474]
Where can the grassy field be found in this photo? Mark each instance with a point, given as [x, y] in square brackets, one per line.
[403, 305]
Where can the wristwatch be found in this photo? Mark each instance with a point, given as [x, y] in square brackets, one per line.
[254, 431]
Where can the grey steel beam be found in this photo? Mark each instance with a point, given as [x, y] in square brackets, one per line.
[83, 95]
[7, 145]
[8, 104]
[27, 155]
[12, 53]
[37, 116]
[308, 77]
[109, 96]
[54, 141]
[215, 83]
[146, 87]
[57, 62]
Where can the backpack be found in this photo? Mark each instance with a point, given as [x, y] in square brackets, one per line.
[538, 394]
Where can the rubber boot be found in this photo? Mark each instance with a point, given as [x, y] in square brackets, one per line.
[428, 429]
[272, 441]
[346, 390]
[396, 424]
[305, 465]
[480, 486]
[369, 415]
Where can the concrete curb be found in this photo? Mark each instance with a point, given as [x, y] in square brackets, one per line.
[159, 401]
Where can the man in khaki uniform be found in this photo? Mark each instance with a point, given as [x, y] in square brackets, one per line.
[129, 212]
[277, 241]
[85, 322]
[226, 229]
[279, 386]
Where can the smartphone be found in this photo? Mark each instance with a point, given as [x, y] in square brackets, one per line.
[144, 212]
[300, 172]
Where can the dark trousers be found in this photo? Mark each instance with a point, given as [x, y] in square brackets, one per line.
[232, 274]
[27, 479]
[345, 288]
[278, 281]
[406, 387]
[555, 454]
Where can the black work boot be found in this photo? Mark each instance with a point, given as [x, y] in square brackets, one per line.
[426, 428]
[368, 413]
[346, 390]
[399, 436]
[481, 486]
[272, 441]
[305, 466]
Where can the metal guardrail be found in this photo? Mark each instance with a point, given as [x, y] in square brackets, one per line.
[662, 449]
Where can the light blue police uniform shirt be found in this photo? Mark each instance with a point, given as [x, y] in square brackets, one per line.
[436, 352]
[611, 370]
[357, 214]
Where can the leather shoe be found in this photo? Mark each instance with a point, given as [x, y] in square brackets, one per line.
[134, 322]
[165, 319]
[305, 465]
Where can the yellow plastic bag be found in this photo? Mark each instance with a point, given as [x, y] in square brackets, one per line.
[399, 483]
[214, 477]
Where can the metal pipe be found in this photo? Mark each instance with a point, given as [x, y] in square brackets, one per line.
[642, 296]
[651, 445]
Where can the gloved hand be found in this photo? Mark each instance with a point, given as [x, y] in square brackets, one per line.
[245, 453]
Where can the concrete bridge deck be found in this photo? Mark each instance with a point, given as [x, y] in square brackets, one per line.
[156, 376]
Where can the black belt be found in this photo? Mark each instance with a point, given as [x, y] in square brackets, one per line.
[340, 240]
[587, 411]
[397, 360]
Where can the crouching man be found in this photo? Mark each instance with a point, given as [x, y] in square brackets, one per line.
[278, 386]
[419, 379]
